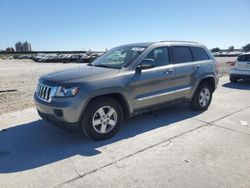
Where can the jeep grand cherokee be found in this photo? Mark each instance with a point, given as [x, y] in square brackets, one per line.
[125, 81]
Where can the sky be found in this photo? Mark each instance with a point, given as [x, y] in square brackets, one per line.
[101, 24]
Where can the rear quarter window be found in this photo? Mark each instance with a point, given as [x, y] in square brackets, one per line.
[199, 54]
[182, 54]
[244, 57]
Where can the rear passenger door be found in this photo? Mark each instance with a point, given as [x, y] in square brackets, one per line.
[188, 63]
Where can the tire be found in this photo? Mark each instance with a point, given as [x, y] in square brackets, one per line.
[233, 79]
[196, 102]
[97, 127]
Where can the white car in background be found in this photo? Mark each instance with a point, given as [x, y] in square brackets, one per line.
[216, 54]
[240, 69]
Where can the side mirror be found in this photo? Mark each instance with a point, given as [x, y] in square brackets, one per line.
[146, 64]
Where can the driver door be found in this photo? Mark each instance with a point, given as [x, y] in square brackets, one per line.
[155, 85]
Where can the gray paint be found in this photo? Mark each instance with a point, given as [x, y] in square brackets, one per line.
[140, 90]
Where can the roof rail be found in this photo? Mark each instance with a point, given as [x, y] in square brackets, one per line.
[179, 41]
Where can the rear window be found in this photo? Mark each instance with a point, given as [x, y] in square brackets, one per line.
[182, 54]
[244, 57]
[199, 54]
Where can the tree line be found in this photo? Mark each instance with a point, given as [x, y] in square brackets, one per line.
[245, 48]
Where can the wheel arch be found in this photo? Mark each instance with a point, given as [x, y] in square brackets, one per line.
[208, 79]
[119, 97]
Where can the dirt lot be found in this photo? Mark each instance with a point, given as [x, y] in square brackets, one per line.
[18, 79]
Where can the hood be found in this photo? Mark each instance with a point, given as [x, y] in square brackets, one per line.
[82, 73]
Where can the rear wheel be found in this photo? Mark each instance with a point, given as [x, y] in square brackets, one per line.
[202, 97]
[102, 119]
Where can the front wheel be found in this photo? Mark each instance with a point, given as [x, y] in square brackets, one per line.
[102, 119]
[202, 97]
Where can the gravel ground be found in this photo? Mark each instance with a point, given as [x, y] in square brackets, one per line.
[18, 79]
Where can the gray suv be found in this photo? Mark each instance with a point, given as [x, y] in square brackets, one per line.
[126, 81]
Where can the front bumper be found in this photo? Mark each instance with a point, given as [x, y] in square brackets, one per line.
[63, 111]
[61, 124]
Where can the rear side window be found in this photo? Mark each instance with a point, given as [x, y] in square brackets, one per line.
[244, 57]
[182, 54]
[199, 54]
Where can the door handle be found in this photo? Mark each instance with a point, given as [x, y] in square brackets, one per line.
[196, 67]
[168, 71]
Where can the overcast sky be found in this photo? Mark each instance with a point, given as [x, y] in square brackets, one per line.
[100, 24]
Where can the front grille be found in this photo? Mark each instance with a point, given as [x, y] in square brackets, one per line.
[45, 92]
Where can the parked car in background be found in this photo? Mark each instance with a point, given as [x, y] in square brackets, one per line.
[83, 59]
[223, 54]
[98, 97]
[240, 69]
[227, 54]
[67, 58]
[37, 57]
[42, 58]
[216, 54]
[49, 58]
[58, 58]
[234, 53]
[72, 58]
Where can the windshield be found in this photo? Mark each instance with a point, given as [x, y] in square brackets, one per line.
[119, 57]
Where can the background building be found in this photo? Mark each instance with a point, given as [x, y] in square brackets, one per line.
[23, 47]
[26, 47]
[19, 47]
[10, 49]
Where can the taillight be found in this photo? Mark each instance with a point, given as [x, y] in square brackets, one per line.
[233, 63]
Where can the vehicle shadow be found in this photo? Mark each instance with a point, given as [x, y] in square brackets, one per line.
[39, 143]
[242, 84]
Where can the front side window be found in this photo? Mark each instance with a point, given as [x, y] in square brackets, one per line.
[160, 56]
[119, 57]
[199, 54]
[182, 54]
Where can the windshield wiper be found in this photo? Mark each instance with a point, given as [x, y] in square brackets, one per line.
[101, 65]
[105, 66]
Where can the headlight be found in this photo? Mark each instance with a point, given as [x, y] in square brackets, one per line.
[65, 91]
